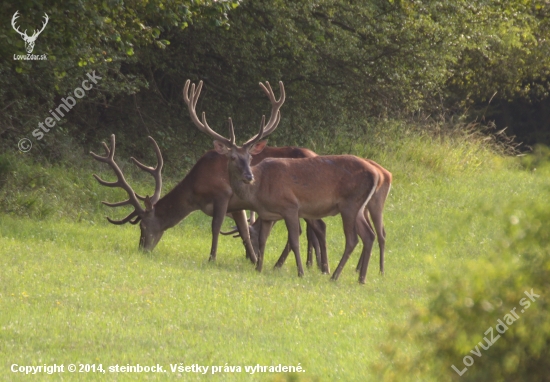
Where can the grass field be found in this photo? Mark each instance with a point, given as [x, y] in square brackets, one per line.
[75, 289]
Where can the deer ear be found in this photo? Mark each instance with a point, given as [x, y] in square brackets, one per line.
[148, 204]
[257, 148]
[220, 148]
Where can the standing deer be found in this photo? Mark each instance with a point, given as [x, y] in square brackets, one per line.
[206, 188]
[374, 209]
[289, 189]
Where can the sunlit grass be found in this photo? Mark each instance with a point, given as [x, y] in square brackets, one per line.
[76, 289]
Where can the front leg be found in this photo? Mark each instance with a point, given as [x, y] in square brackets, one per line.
[242, 226]
[265, 229]
[293, 226]
[218, 215]
[284, 254]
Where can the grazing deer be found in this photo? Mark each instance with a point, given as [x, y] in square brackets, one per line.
[206, 188]
[289, 189]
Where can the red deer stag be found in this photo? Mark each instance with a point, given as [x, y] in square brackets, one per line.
[375, 208]
[289, 189]
[205, 188]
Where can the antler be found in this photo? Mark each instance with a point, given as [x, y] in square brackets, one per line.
[275, 112]
[122, 183]
[16, 28]
[191, 99]
[155, 172]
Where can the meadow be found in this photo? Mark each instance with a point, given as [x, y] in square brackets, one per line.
[74, 289]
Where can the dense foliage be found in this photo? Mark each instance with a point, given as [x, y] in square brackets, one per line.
[341, 61]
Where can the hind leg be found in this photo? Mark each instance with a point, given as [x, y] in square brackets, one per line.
[348, 220]
[292, 222]
[320, 229]
[365, 232]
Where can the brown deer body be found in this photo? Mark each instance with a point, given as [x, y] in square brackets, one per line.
[373, 211]
[289, 189]
[206, 187]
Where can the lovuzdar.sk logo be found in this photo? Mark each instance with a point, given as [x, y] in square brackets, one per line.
[29, 40]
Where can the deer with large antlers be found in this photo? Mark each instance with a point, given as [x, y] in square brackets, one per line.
[29, 40]
[289, 189]
[206, 187]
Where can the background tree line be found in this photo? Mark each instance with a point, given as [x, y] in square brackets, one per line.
[344, 63]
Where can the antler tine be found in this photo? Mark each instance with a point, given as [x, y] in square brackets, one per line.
[120, 182]
[125, 220]
[136, 220]
[117, 204]
[155, 172]
[261, 134]
[191, 99]
[275, 117]
[231, 131]
[276, 105]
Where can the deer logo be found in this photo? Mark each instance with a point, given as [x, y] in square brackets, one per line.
[29, 40]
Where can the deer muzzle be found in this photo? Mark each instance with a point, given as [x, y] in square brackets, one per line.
[248, 178]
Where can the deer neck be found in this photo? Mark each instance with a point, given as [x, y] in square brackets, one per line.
[175, 205]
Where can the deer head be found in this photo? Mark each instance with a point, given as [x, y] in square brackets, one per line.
[29, 40]
[239, 157]
[151, 229]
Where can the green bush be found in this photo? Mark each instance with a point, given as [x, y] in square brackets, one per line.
[464, 312]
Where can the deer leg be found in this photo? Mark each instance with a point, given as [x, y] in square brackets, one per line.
[293, 227]
[284, 254]
[351, 240]
[381, 236]
[254, 230]
[321, 238]
[365, 231]
[220, 208]
[312, 244]
[361, 258]
[242, 226]
[319, 232]
[265, 229]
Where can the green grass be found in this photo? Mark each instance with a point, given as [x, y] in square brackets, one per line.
[74, 289]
